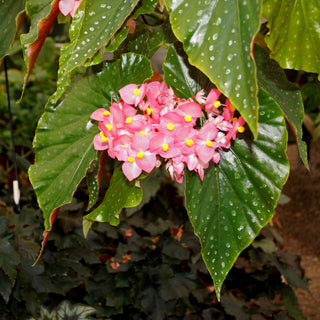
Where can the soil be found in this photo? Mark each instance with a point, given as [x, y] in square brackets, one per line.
[299, 224]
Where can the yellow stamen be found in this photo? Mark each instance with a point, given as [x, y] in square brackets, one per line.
[234, 119]
[131, 159]
[149, 111]
[136, 92]
[108, 126]
[140, 155]
[128, 120]
[189, 142]
[103, 137]
[170, 126]
[232, 108]
[187, 118]
[217, 104]
[241, 129]
[209, 143]
[106, 112]
[165, 147]
[142, 132]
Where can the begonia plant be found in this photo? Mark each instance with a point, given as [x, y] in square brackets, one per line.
[214, 118]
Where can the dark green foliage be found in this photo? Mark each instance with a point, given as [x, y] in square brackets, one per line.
[149, 267]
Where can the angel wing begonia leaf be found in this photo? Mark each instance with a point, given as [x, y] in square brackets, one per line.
[273, 80]
[42, 15]
[217, 36]
[9, 11]
[294, 37]
[92, 28]
[64, 137]
[238, 196]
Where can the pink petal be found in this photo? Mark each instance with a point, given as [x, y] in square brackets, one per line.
[131, 170]
[66, 6]
[98, 144]
[127, 93]
[148, 162]
[191, 108]
[75, 8]
[98, 114]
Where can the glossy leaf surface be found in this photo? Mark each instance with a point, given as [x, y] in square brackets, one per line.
[217, 37]
[92, 28]
[64, 148]
[287, 94]
[297, 45]
[238, 196]
[121, 194]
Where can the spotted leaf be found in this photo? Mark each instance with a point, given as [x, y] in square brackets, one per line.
[64, 138]
[93, 26]
[237, 197]
[294, 37]
[217, 36]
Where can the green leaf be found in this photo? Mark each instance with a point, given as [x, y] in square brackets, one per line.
[294, 37]
[9, 259]
[9, 10]
[64, 138]
[93, 183]
[237, 197]
[92, 28]
[287, 95]
[217, 36]
[184, 79]
[6, 286]
[121, 194]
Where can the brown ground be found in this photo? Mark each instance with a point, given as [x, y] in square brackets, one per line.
[300, 224]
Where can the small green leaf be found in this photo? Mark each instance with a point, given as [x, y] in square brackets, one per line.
[93, 183]
[294, 37]
[237, 197]
[217, 37]
[9, 10]
[121, 194]
[64, 138]
[287, 95]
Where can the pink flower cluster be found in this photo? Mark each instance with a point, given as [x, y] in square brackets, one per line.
[150, 125]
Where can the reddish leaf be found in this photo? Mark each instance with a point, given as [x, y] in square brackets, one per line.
[33, 49]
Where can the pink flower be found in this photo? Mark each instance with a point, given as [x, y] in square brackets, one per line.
[205, 146]
[115, 265]
[132, 94]
[150, 124]
[212, 103]
[100, 114]
[190, 112]
[164, 145]
[69, 7]
[139, 157]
